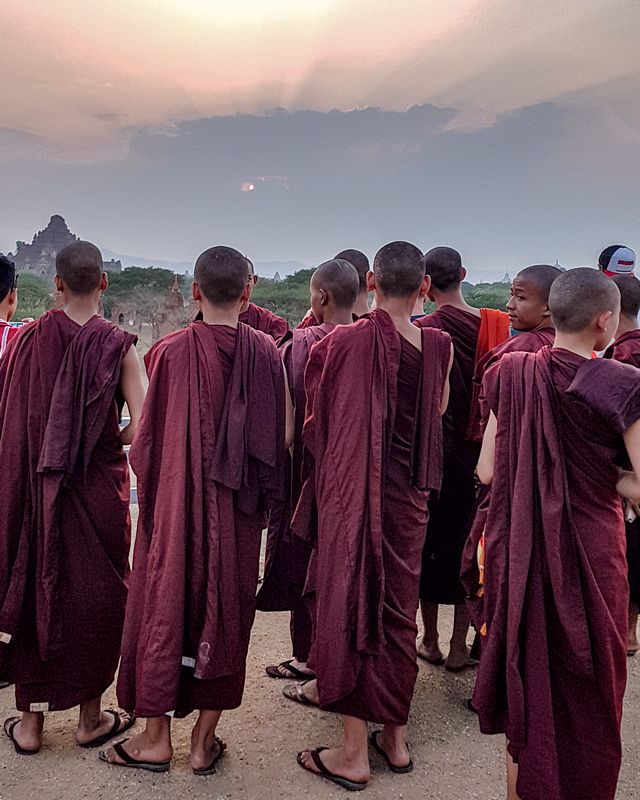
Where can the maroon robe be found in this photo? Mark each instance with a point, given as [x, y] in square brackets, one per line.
[261, 319]
[627, 350]
[525, 342]
[287, 557]
[308, 322]
[553, 668]
[374, 400]
[451, 512]
[207, 454]
[64, 511]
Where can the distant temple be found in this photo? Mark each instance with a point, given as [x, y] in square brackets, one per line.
[506, 279]
[40, 255]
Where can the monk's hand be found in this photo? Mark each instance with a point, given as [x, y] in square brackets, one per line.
[127, 434]
[628, 486]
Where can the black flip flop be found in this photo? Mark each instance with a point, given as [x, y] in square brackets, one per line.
[296, 674]
[131, 762]
[323, 772]
[295, 692]
[9, 726]
[114, 731]
[378, 748]
[211, 769]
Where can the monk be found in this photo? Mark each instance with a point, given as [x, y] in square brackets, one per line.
[530, 320]
[64, 507]
[360, 263]
[375, 394]
[261, 319]
[333, 290]
[8, 302]
[626, 348]
[207, 454]
[474, 332]
[553, 669]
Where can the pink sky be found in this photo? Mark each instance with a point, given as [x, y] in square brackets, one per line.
[80, 76]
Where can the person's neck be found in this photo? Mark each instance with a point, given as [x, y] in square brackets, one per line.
[361, 306]
[6, 313]
[626, 325]
[338, 316]
[398, 309]
[245, 306]
[455, 299]
[81, 308]
[579, 343]
[220, 315]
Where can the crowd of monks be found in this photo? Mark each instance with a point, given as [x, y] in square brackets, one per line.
[482, 459]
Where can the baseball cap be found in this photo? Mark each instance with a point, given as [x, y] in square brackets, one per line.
[617, 260]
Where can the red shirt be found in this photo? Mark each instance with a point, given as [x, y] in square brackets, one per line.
[7, 332]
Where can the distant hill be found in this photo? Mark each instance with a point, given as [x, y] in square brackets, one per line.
[266, 269]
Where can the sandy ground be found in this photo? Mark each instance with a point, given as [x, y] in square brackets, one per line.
[453, 760]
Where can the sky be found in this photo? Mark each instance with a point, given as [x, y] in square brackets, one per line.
[505, 128]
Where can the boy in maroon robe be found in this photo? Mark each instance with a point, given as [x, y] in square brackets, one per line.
[473, 332]
[626, 348]
[530, 320]
[375, 394]
[553, 669]
[261, 319]
[207, 454]
[64, 506]
[333, 290]
[360, 263]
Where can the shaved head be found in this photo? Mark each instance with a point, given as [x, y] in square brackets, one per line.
[399, 269]
[444, 266]
[360, 262]
[7, 277]
[222, 273]
[541, 277]
[79, 266]
[629, 288]
[339, 280]
[578, 296]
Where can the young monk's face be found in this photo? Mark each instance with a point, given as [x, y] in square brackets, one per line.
[527, 310]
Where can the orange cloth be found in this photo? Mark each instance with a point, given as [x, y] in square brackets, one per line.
[494, 329]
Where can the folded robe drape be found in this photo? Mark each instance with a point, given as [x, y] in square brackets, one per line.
[553, 667]
[261, 319]
[207, 454]
[373, 400]
[64, 511]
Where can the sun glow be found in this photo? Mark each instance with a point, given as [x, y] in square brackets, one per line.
[241, 12]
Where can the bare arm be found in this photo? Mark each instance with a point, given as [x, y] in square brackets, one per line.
[447, 385]
[289, 427]
[629, 483]
[487, 460]
[133, 392]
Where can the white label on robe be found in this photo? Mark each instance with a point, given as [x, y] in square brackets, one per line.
[36, 708]
[188, 662]
[5, 638]
[170, 713]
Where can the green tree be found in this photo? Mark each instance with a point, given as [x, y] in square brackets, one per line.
[35, 295]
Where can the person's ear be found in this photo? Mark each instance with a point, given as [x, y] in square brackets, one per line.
[196, 293]
[602, 320]
[425, 287]
[13, 297]
[57, 282]
[255, 279]
[246, 292]
[463, 273]
[324, 298]
[546, 312]
[371, 281]
[104, 282]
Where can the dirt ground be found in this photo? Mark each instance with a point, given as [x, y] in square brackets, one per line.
[453, 760]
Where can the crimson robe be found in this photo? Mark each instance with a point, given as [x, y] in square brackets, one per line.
[627, 350]
[525, 342]
[207, 454]
[64, 511]
[308, 322]
[373, 400]
[553, 668]
[287, 556]
[261, 319]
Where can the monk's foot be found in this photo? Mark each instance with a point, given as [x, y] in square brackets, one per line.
[291, 670]
[459, 661]
[394, 747]
[339, 763]
[633, 645]
[26, 733]
[91, 731]
[141, 748]
[206, 753]
[430, 652]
